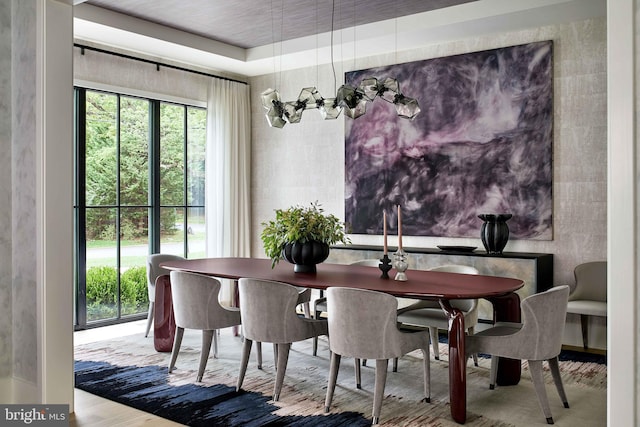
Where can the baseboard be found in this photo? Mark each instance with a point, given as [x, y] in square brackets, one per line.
[599, 351]
[15, 390]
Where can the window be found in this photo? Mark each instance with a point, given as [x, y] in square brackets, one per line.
[139, 189]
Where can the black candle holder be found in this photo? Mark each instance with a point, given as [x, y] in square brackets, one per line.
[385, 266]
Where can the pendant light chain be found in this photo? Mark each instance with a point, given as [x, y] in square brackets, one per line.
[353, 100]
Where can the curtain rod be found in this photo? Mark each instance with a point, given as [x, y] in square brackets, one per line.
[156, 63]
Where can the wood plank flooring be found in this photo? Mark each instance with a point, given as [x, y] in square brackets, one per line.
[94, 411]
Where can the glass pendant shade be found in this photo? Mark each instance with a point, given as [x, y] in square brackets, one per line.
[268, 97]
[293, 111]
[352, 100]
[275, 121]
[275, 115]
[329, 109]
[406, 107]
[389, 90]
[310, 97]
[370, 88]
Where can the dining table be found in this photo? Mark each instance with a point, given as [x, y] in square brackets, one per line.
[420, 284]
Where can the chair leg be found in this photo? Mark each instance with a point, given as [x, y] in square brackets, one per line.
[471, 331]
[283, 357]
[378, 394]
[494, 372]
[215, 344]
[316, 315]
[259, 354]
[275, 356]
[306, 309]
[177, 342]
[207, 337]
[427, 375]
[433, 333]
[150, 315]
[358, 374]
[395, 364]
[584, 323]
[246, 351]
[557, 379]
[535, 367]
[334, 366]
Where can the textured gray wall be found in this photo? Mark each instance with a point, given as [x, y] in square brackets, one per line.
[23, 179]
[5, 189]
[305, 162]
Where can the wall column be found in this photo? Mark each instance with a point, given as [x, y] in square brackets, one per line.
[622, 216]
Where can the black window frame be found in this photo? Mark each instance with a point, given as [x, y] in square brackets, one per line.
[154, 203]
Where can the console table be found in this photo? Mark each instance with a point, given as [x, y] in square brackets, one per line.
[535, 269]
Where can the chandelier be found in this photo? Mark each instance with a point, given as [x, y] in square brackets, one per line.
[353, 100]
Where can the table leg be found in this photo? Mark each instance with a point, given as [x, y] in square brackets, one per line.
[457, 363]
[507, 309]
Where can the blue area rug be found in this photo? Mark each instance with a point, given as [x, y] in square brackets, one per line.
[147, 388]
[578, 356]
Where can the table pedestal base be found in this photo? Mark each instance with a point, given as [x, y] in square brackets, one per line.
[507, 309]
[164, 324]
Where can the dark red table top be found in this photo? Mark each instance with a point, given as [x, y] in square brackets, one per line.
[421, 284]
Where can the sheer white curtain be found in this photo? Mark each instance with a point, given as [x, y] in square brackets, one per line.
[228, 176]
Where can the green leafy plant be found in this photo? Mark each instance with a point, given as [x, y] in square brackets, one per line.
[301, 224]
[102, 285]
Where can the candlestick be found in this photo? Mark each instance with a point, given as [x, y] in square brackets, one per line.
[384, 230]
[399, 229]
[400, 264]
[385, 266]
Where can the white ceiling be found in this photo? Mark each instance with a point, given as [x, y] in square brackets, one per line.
[178, 30]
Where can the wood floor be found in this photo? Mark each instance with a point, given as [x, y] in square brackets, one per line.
[94, 411]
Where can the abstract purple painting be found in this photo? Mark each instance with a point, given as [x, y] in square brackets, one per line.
[481, 144]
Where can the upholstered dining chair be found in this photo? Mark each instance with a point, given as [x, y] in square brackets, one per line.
[320, 304]
[153, 272]
[356, 330]
[429, 314]
[304, 299]
[589, 297]
[269, 315]
[536, 339]
[196, 305]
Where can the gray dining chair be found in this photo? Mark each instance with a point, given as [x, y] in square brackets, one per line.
[429, 314]
[153, 272]
[196, 305]
[536, 339]
[304, 299]
[356, 330]
[269, 315]
[320, 304]
[589, 296]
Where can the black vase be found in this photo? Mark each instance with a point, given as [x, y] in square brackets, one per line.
[494, 232]
[306, 255]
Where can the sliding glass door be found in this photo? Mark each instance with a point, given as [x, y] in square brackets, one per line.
[139, 182]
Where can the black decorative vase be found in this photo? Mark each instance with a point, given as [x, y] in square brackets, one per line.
[306, 255]
[494, 232]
